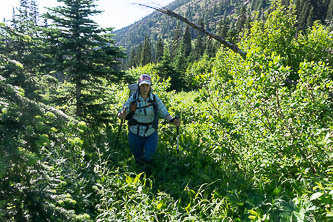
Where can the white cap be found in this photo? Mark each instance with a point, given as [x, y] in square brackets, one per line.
[144, 79]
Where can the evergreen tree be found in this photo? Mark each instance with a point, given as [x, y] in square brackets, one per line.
[210, 49]
[232, 33]
[241, 21]
[146, 54]
[187, 42]
[188, 13]
[179, 63]
[159, 49]
[22, 17]
[177, 32]
[23, 9]
[87, 52]
[164, 68]
[220, 31]
[177, 36]
[139, 55]
[302, 20]
[13, 18]
[34, 12]
[297, 4]
[132, 59]
[223, 26]
[180, 60]
[199, 46]
[329, 15]
[310, 18]
[23, 44]
[253, 5]
[262, 4]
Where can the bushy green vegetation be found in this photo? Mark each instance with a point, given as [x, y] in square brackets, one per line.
[256, 140]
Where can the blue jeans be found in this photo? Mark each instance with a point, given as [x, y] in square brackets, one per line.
[143, 148]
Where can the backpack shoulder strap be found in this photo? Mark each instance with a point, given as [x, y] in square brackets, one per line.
[135, 95]
[130, 114]
[154, 103]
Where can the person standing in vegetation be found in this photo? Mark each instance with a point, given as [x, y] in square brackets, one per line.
[142, 110]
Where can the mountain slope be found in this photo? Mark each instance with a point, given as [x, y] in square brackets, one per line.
[159, 25]
[224, 17]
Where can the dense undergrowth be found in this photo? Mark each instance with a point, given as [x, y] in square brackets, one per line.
[255, 142]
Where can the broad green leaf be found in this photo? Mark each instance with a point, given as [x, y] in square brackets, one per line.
[316, 196]
[137, 178]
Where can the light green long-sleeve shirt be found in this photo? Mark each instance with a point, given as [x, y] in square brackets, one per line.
[146, 114]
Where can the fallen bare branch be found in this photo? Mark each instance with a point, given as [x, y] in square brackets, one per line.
[199, 28]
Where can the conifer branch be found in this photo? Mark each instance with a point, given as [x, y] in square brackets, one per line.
[10, 92]
[199, 28]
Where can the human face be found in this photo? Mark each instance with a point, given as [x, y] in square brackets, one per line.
[144, 90]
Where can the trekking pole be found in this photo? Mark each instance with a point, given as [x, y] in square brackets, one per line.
[177, 140]
[177, 117]
[119, 129]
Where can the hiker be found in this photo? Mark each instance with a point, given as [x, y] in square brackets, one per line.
[142, 110]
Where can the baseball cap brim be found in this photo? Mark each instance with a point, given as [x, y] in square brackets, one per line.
[145, 82]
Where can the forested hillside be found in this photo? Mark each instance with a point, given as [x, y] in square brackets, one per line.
[227, 18]
[256, 134]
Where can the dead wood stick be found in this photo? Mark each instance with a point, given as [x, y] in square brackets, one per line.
[197, 27]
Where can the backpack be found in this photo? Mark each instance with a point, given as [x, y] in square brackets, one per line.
[134, 92]
[133, 89]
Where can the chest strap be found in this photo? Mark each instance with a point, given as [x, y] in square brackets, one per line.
[133, 122]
